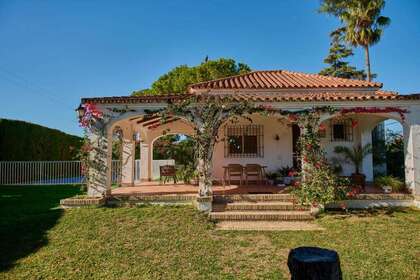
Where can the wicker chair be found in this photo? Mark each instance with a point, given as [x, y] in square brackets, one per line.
[254, 171]
[234, 170]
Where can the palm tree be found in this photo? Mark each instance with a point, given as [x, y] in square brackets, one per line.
[364, 25]
[355, 155]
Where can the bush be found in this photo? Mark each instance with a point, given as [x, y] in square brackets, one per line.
[187, 173]
[21, 140]
[396, 184]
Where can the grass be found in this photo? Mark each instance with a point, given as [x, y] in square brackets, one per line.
[40, 241]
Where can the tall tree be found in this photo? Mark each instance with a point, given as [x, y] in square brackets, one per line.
[338, 52]
[178, 79]
[363, 22]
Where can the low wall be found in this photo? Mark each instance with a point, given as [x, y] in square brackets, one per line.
[365, 201]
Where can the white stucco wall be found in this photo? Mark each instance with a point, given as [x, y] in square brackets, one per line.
[277, 154]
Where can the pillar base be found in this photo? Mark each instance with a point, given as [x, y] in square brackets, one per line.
[204, 203]
[98, 192]
[417, 201]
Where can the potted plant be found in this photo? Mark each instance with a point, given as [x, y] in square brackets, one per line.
[288, 174]
[355, 155]
[389, 184]
[272, 177]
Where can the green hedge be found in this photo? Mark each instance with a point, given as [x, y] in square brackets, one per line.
[21, 140]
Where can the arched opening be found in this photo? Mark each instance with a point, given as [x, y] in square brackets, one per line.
[372, 146]
[388, 149]
[176, 150]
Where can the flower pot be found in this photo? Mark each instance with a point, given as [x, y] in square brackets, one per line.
[358, 179]
[387, 189]
[288, 180]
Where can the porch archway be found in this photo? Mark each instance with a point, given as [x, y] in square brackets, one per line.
[366, 128]
[176, 149]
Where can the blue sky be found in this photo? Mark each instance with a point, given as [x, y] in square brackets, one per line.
[52, 53]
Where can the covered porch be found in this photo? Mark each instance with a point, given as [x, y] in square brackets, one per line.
[349, 111]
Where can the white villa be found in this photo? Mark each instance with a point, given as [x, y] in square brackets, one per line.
[269, 141]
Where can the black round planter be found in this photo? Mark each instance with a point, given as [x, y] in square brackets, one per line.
[312, 263]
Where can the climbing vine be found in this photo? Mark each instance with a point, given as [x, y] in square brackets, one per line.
[319, 185]
[208, 114]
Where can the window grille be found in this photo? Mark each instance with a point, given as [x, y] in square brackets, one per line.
[341, 130]
[244, 141]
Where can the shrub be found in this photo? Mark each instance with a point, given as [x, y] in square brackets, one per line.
[187, 173]
[396, 184]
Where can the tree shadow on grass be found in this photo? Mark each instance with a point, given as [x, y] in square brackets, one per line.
[366, 213]
[26, 214]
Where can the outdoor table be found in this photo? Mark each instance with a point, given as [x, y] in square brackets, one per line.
[312, 263]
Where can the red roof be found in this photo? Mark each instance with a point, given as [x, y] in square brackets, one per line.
[262, 97]
[267, 86]
[309, 96]
[282, 79]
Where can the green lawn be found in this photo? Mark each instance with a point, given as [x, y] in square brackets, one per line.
[40, 241]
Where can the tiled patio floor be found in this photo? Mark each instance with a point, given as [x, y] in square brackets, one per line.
[154, 188]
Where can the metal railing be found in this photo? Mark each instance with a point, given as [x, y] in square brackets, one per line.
[60, 172]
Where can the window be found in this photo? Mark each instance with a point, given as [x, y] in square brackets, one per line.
[244, 141]
[341, 130]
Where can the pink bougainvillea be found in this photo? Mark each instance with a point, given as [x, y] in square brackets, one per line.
[354, 123]
[357, 110]
[91, 114]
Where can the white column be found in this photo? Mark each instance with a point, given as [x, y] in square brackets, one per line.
[411, 129]
[99, 183]
[412, 158]
[128, 157]
[145, 152]
[367, 164]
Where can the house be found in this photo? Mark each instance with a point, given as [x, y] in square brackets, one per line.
[267, 140]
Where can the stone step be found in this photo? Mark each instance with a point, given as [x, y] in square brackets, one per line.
[261, 216]
[268, 225]
[252, 198]
[258, 206]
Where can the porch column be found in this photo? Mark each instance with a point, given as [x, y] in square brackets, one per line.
[100, 157]
[145, 165]
[412, 159]
[128, 157]
[367, 163]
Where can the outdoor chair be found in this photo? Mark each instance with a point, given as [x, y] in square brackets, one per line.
[166, 172]
[256, 172]
[233, 171]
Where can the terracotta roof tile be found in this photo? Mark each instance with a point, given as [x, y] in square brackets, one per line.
[308, 95]
[136, 99]
[263, 97]
[276, 79]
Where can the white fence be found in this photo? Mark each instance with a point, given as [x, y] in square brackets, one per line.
[155, 167]
[60, 172]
